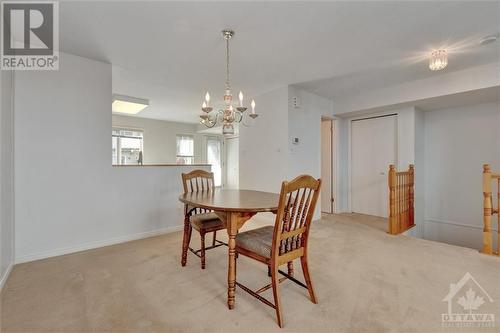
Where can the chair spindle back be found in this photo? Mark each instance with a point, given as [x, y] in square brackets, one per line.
[195, 181]
[198, 180]
[295, 212]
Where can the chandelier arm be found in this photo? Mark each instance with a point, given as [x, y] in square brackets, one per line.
[244, 123]
[215, 119]
[210, 122]
[240, 115]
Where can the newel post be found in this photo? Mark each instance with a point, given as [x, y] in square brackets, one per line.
[497, 211]
[393, 227]
[411, 194]
[487, 205]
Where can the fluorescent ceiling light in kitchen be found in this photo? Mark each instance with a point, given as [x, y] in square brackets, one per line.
[128, 105]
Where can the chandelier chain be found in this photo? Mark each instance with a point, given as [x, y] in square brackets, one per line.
[227, 64]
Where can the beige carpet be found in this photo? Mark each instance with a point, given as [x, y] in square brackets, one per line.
[379, 223]
[365, 280]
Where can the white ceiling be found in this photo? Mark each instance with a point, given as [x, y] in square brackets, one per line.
[171, 52]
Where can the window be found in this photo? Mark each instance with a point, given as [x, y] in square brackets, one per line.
[185, 149]
[127, 146]
[214, 157]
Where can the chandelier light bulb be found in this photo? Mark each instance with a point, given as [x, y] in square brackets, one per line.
[241, 98]
[207, 97]
[438, 60]
[204, 105]
[231, 108]
[253, 106]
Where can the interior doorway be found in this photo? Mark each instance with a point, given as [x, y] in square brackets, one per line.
[214, 158]
[232, 163]
[373, 148]
[327, 165]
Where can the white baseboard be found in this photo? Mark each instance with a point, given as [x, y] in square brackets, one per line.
[455, 233]
[457, 224]
[95, 244]
[5, 276]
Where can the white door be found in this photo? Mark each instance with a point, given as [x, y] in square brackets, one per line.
[326, 166]
[232, 165]
[214, 157]
[373, 148]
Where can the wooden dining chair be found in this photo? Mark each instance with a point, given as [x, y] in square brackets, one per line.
[286, 241]
[202, 220]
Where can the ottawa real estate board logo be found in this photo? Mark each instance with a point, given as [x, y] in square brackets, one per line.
[468, 305]
[30, 35]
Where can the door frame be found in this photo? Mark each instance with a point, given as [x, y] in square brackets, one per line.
[349, 150]
[334, 164]
[222, 140]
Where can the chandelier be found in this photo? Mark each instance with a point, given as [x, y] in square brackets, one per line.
[229, 115]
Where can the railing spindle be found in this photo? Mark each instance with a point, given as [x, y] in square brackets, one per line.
[498, 217]
[487, 211]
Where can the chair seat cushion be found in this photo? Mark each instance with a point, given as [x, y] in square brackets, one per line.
[258, 240]
[206, 221]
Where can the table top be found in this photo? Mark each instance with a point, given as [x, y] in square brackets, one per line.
[233, 200]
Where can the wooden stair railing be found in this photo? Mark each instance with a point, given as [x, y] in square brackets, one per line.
[488, 179]
[401, 200]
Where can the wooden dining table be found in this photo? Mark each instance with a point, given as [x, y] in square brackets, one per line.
[234, 207]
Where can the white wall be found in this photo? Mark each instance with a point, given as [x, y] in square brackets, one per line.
[458, 141]
[264, 146]
[160, 138]
[305, 123]
[419, 177]
[343, 143]
[406, 138]
[65, 201]
[6, 177]
[411, 134]
[267, 154]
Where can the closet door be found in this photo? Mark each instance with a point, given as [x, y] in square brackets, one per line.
[373, 148]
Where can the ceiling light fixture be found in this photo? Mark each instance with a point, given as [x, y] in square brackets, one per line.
[128, 105]
[438, 60]
[229, 115]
